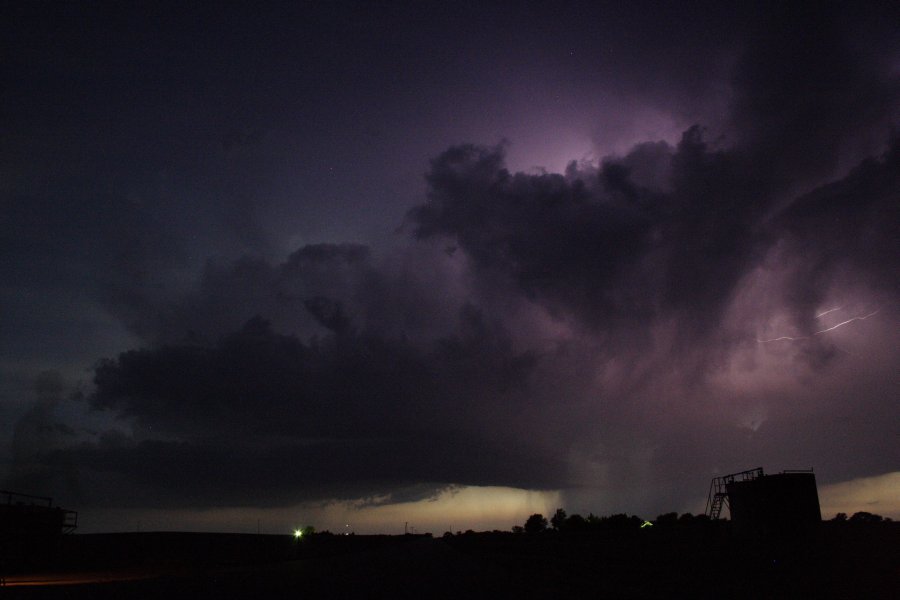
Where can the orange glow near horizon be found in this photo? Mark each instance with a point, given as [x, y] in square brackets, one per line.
[457, 508]
[454, 509]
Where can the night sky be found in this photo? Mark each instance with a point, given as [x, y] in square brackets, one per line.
[361, 264]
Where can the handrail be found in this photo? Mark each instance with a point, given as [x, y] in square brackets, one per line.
[718, 489]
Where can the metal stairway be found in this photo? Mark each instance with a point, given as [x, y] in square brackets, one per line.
[718, 490]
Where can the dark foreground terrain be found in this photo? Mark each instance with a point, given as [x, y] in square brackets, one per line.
[838, 561]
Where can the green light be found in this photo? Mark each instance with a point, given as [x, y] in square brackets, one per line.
[646, 524]
[298, 533]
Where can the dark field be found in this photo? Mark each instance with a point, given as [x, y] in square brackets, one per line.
[839, 561]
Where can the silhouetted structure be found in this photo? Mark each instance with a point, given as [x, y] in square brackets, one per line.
[766, 505]
[31, 527]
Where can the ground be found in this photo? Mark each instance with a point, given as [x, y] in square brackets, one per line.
[660, 562]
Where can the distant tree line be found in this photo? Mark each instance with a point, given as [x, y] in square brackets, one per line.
[561, 522]
[860, 517]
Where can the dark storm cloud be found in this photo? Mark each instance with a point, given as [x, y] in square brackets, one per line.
[548, 232]
[343, 414]
[848, 226]
[214, 472]
[600, 245]
[316, 289]
[669, 232]
[358, 411]
[294, 294]
[853, 220]
[812, 90]
[538, 331]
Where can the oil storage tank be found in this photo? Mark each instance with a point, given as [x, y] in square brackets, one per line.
[783, 504]
[30, 530]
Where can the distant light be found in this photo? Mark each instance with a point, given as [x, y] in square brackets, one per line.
[298, 533]
[646, 524]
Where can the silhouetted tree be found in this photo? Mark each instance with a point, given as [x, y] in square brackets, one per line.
[558, 521]
[536, 523]
[866, 517]
[518, 529]
[623, 521]
[686, 519]
[701, 518]
[840, 518]
[576, 523]
[666, 519]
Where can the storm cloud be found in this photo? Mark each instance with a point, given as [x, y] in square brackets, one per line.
[641, 295]
[342, 416]
[619, 331]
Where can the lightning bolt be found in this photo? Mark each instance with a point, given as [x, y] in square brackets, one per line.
[833, 327]
[830, 310]
[821, 331]
[784, 337]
